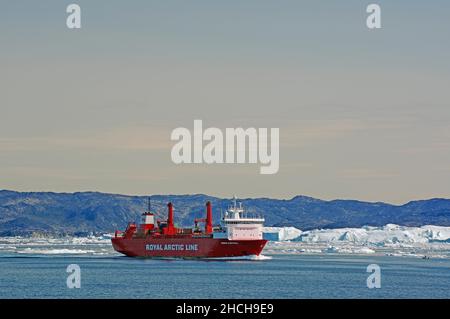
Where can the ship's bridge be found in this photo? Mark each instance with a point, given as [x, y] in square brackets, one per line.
[242, 218]
[241, 225]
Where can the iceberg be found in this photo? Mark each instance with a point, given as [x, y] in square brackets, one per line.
[380, 236]
[390, 240]
[281, 233]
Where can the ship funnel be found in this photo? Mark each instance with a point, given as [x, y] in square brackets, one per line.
[208, 224]
[170, 228]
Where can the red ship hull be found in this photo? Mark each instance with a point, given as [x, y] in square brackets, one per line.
[187, 247]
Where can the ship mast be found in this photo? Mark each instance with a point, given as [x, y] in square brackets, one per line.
[149, 204]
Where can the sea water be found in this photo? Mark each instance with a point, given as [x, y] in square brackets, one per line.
[32, 275]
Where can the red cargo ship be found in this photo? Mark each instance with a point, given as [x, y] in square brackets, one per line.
[240, 234]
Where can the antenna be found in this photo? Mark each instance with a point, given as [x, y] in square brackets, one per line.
[149, 204]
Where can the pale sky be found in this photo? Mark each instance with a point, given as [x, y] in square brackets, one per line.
[363, 114]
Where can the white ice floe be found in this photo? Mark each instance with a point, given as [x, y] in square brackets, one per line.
[55, 251]
[57, 246]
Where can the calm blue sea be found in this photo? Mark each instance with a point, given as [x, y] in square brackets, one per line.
[283, 276]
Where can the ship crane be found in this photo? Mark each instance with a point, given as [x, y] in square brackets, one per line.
[208, 220]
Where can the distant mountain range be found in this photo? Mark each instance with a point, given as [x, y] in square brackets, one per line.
[24, 213]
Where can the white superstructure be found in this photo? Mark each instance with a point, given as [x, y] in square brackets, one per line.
[240, 225]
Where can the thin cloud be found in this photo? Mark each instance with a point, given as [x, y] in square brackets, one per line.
[366, 173]
[132, 139]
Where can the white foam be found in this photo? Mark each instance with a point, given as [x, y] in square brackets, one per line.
[249, 257]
